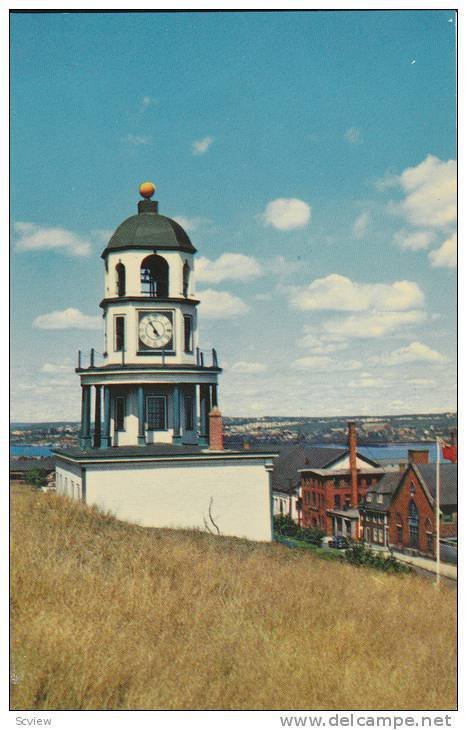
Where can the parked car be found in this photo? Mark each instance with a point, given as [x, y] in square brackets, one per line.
[339, 542]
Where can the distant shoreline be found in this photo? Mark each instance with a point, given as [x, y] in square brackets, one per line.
[390, 451]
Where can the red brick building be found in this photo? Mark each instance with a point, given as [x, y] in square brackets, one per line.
[330, 495]
[400, 511]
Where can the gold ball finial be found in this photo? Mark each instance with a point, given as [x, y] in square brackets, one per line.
[147, 189]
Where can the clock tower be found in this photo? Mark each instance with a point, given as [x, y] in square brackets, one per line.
[154, 385]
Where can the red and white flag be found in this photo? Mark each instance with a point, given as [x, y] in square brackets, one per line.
[449, 451]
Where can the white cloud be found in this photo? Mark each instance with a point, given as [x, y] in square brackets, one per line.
[430, 193]
[323, 363]
[312, 362]
[339, 293]
[415, 352]
[353, 135]
[228, 267]
[286, 214]
[146, 102]
[31, 237]
[421, 382]
[281, 266]
[373, 324]
[67, 319]
[138, 139]
[50, 367]
[413, 240]
[369, 383]
[360, 225]
[103, 235]
[318, 345]
[388, 181]
[189, 224]
[248, 368]
[446, 255]
[221, 305]
[201, 146]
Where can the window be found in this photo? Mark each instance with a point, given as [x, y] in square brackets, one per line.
[156, 409]
[188, 332]
[399, 534]
[186, 278]
[369, 497]
[189, 419]
[337, 500]
[121, 285]
[412, 488]
[429, 541]
[120, 413]
[447, 517]
[119, 334]
[379, 498]
[413, 524]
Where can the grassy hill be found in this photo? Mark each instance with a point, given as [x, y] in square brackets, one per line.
[108, 615]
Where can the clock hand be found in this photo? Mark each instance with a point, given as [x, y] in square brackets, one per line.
[157, 333]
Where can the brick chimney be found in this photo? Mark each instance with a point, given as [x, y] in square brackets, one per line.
[216, 439]
[419, 456]
[353, 462]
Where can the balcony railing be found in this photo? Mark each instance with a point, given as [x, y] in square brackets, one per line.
[204, 358]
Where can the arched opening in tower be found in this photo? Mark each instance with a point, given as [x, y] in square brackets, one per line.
[121, 279]
[186, 278]
[155, 276]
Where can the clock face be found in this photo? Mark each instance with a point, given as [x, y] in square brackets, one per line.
[155, 330]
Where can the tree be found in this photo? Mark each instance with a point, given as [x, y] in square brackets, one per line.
[37, 477]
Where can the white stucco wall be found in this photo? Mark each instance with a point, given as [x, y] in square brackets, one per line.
[68, 481]
[178, 494]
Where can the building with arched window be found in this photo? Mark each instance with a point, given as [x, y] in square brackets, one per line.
[151, 445]
[403, 504]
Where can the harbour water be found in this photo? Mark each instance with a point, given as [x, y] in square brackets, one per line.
[30, 450]
[395, 451]
[390, 452]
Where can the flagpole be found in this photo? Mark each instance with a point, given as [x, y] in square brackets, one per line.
[437, 522]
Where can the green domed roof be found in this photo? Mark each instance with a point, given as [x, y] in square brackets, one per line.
[149, 230]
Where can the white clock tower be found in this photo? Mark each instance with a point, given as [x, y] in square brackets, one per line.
[153, 383]
[153, 453]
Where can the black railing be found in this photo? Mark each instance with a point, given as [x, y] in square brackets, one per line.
[96, 359]
[202, 358]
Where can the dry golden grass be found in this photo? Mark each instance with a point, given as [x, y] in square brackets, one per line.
[108, 615]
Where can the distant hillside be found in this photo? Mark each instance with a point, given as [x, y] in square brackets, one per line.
[371, 430]
[112, 616]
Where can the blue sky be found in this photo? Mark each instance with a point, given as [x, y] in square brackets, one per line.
[311, 157]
